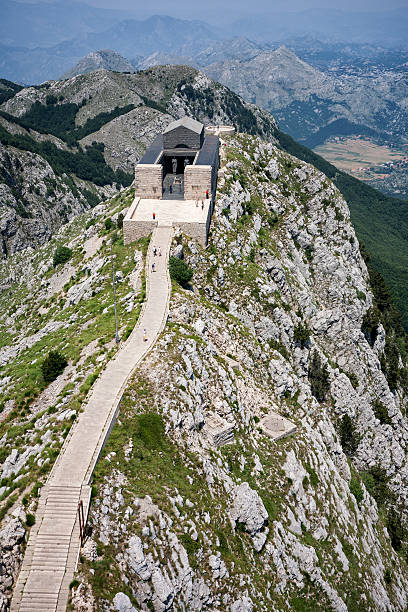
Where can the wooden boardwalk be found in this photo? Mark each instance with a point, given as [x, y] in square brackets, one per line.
[54, 543]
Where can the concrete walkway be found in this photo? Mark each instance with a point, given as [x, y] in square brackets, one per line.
[53, 546]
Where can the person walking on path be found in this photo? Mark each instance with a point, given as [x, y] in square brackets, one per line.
[159, 252]
[206, 194]
[154, 251]
[154, 216]
[153, 267]
[144, 335]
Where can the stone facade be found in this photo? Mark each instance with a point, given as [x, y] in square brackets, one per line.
[197, 180]
[149, 180]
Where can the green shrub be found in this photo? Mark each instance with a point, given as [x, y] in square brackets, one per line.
[390, 363]
[92, 199]
[30, 520]
[53, 365]
[395, 529]
[301, 335]
[387, 576]
[62, 254]
[180, 272]
[108, 224]
[381, 413]
[191, 546]
[348, 435]
[376, 482]
[314, 480]
[150, 430]
[309, 252]
[74, 584]
[356, 490]
[353, 379]
[119, 222]
[318, 377]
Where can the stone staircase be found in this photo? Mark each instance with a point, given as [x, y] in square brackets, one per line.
[53, 547]
[52, 551]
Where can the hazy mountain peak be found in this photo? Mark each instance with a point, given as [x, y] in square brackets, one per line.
[104, 59]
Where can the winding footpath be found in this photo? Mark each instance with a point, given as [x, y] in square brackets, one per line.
[53, 547]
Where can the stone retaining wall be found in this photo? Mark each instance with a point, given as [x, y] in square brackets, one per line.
[133, 230]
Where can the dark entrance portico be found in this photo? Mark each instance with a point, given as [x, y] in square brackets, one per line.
[182, 139]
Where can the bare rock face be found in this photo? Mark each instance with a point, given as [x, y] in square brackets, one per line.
[11, 537]
[34, 202]
[122, 603]
[136, 558]
[249, 510]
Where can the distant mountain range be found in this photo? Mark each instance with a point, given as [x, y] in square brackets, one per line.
[388, 28]
[308, 103]
[46, 24]
[41, 41]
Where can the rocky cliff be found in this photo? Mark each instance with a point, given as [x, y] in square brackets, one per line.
[272, 328]
[199, 502]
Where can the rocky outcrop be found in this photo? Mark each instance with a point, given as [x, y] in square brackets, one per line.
[11, 538]
[105, 59]
[34, 201]
[248, 509]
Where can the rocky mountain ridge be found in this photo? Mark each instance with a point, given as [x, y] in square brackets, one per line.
[93, 128]
[304, 99]
[56, 125]
[278, 323]
[275, 264]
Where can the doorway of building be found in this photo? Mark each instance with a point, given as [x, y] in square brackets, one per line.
[173, 175]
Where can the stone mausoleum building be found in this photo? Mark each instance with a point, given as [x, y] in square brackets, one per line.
[176, 180]
[181, 163]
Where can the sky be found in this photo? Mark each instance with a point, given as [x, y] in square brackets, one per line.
[191, 9]
[198, 7]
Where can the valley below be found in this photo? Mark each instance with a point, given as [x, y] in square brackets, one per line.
[380, 165]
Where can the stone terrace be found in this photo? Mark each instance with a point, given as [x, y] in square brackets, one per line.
[192, 216]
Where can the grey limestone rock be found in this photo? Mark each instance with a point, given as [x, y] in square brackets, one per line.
[122, 603]
[248, 508]
[242, 605]
[136, 558]
[11, 538]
